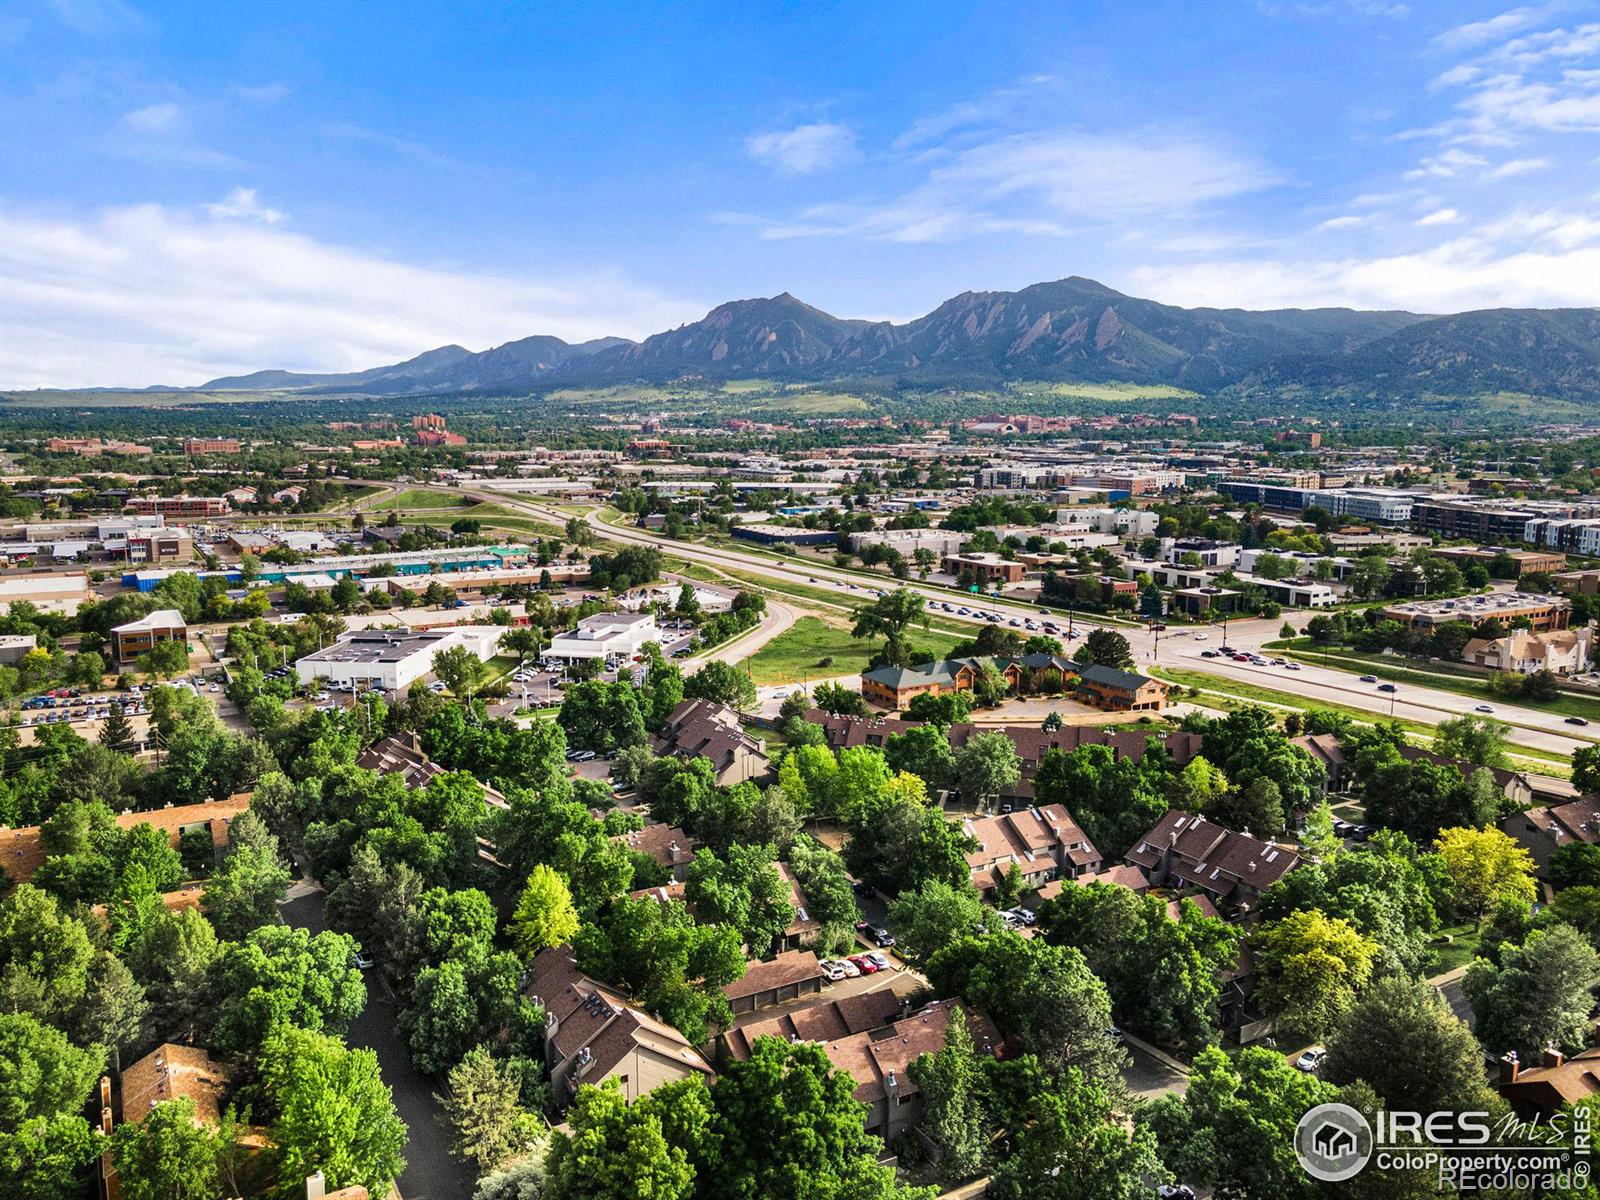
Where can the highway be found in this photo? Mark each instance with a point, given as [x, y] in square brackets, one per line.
[1529, 727]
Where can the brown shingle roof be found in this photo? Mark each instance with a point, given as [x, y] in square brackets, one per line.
[667, 844]
[788, 968]
[169, 1072]
[21, 853]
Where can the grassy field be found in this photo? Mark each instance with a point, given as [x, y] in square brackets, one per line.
[798, 652]
[1461, 950]
[813, 403]
[1113, 392]
[421, 498]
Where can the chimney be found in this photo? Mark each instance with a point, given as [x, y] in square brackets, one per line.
[1551, 1057]
[892, 1084]
[585, 1060]
[316, 1187]
[1509, 1067]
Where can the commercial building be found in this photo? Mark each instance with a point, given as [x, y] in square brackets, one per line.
[158, 545]
[1541, 612]
[785, 535]
[54, 593]
[985, 567]
[393, 658]
[1125, 522]
[133, 639]
[605, 636]
[15, 646]
[181, 507]
[909, 541]
[1492, 521]
[1199, 552]
[1581, 535]
[1382, 506]
[194, 445]
[1523, 562]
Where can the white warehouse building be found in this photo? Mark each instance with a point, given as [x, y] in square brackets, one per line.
[606, 635]
[393, 659]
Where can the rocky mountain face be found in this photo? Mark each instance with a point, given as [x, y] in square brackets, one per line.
[1072, 329]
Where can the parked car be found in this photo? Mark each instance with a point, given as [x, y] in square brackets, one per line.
[361, 960]
[1117, 1036]
[1311, 1061]
[851, 971]
[1175, 1191]
[1022, 916]
[865, 965]
[875, 933]
[879, 960]
[863, 889]
[831, 971]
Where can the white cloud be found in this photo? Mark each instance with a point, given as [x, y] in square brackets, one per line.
[241, 205]
[995, 106]
[1455, 277]
[1439, 216]
[149, 294]
[1445, 165]
[156, 119]
[1045, 184]
[805, 149]
[1517, 166]
[1478, 33]
[1346, 222]
[403, 147]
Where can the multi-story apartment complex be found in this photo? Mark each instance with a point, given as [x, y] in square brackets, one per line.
[194, 445]
[1381, 506]
[180, 506]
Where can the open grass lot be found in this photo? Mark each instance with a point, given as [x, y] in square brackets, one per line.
[797, 653]
[1461, 949]
[813, 402]
[1113, 392]
[422, 498]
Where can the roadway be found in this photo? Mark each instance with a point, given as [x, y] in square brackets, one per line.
[1530, 728]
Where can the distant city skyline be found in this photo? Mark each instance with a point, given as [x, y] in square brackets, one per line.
[191, 191]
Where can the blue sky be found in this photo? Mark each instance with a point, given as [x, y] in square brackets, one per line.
[190, 189]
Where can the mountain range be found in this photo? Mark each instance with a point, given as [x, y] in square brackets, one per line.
[1071, 330]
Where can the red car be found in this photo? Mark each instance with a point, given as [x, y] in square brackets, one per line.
[866, 965]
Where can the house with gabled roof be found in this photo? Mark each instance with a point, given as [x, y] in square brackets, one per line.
[1543, 831]
[593, 1033]
[1186, 851]
[1043, 843]
[705, 729]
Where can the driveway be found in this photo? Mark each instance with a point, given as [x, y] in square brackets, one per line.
[431, 1173]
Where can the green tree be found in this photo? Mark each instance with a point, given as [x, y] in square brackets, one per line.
[1233, 1129]
[1256, 808]
[1586, 769]
[167, 1155]
[42, 1074]
[1477, 740]
[330, 1111]
[544, 915]
[1318, 841]
[165, 659]
[889, 617]
[482, 1106]
[116, 732]
[617, 1152]
[114, 1012]
[742, 889]
[787, 1124]
[1483, 866]
[44, 955]
[523, 641]
[459, 669]
[1381, 889]
[278, 974]
[933, 916]
[1538, 995]
[721, 683]
[1402, 1038]
[949, 709]
[1106, 647]
[986, 766]
[951, 1088]
[1577, 864]
[1042, 994]
[1163, 974]
[1074, 1146]
[1197, 786]
[1311, 966]
[244, 894]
